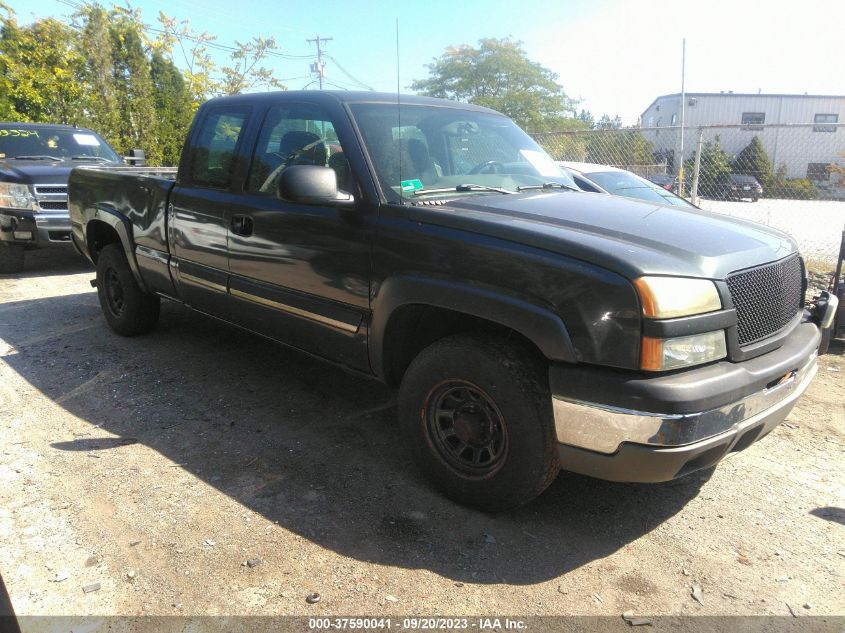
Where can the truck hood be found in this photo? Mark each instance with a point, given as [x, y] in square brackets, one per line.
[38, 171]
[630, 237]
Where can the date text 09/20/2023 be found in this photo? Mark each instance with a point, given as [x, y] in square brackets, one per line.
[416, 623]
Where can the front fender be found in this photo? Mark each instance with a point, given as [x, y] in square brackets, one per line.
[538, 324]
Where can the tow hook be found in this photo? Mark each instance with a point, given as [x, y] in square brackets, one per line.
[94, 282]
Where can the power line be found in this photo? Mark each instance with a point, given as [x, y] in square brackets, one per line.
[319, 67]
[193, 38]
[348, 74]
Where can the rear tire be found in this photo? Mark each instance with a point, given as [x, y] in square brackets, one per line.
[476, 413]
[129, 310]
[11, 258]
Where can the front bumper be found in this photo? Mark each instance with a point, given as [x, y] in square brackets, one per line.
[35, 229]
[623, 443]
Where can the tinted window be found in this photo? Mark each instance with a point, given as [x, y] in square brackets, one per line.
[739, 179]
[61, 143]
[440, 148]
[622, 183]
[215, 146]
[753, 119]
[825, 118]
[296, 134]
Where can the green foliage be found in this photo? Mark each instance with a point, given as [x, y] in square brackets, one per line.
[103, 71]
[622, 149]
[39, 65]
[499, 75]
[586, 116]
[754, 161]
[715, 166]
[245, 73]
[607, 123]
[174, 107]
[791, 188]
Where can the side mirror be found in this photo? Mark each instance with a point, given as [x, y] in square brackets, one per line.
[312, 184]
[137, 158]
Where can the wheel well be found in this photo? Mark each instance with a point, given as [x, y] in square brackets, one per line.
[98, 236]
[412, 328]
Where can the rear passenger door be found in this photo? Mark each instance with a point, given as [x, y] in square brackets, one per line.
[200, 205]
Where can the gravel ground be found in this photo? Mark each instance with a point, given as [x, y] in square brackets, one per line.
[202, 470]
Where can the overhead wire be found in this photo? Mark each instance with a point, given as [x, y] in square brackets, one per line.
[213, 44]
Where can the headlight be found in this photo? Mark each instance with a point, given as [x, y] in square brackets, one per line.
[17, 196]
[669, 297]
[659, 354]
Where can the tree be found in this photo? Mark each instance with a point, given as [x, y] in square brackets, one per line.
[715, 165]
[204, 78]
[754, 161]
[97, 48]
[606, 123]
[173, 107]
[499, 75]
[621, 148]
[585, 116]
[39, 65]
[102, 70]
[245, 73]
[135, 97]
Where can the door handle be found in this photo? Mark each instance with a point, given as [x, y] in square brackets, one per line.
[241, 225]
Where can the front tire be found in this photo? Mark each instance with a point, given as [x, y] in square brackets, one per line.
[476, 413]
[11, 258]
[129, 310]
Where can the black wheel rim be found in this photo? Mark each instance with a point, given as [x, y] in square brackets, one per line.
[114, 293]
[466, 428]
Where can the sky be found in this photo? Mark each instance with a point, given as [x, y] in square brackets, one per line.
[615, 56]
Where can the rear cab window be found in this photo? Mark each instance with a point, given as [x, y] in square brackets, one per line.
[216, 145]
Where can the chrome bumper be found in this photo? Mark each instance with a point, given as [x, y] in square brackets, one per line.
[53, 226]
[604, 429]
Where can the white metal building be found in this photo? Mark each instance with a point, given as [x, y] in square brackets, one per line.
[806, 152]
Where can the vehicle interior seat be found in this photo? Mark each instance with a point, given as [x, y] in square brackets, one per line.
[424, 167]
[296, 148]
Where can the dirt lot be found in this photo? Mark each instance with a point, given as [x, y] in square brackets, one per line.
[158, 467]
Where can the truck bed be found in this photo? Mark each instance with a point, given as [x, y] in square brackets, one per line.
[137, 193]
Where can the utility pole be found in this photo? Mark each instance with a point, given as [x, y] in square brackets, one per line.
[683, 112]
[319, 67]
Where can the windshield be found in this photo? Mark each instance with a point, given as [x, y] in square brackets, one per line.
[442, 148]
[622, 183]
[59, 143]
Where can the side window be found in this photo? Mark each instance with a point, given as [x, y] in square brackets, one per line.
[296, 134]
[214, 149]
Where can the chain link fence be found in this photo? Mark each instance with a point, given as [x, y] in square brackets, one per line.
[791, 176]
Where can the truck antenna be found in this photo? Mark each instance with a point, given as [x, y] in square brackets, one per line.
[399, 113]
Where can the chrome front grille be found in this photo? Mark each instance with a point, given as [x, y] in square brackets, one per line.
[51, 197]
[766, 298]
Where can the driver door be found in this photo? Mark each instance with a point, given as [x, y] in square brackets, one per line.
[300, 273]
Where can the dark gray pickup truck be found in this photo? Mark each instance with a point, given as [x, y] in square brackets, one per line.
[434, 246]
[35, 162]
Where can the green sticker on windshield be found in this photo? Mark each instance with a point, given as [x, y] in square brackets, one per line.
[411, 185]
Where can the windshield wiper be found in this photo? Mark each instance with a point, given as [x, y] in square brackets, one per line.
[38, 157]
[97, 158]
[461, 188]
[548, 185]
